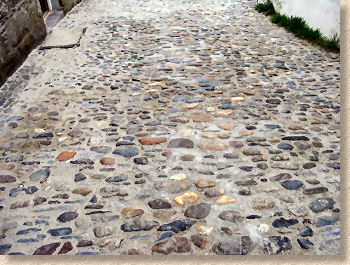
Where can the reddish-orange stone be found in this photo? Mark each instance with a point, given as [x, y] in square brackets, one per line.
[295, 128]
[7, 167]
[214, 146]
[227, 126]
[202, 117]
[64, 156]
[202, 183]
[82, 191]
[107, 161]
[151, 141]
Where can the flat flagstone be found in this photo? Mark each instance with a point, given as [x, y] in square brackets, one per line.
[63, 38]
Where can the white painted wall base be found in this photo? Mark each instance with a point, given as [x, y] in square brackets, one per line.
[322, 14]
[54, 4]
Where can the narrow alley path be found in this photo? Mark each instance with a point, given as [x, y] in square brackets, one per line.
[176, 127]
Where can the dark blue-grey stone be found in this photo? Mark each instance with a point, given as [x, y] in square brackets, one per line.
[159, 204]
[164, 235]
[40, 237]
[281, 222]
[44, 135]
[277, 244]
[53, 113]
[223, 176]
[250, 127]
[304, 243]
[306, 231]
[274, 101]
[285, 146]
[206, 172]
[295, 138]
[39, 222]
[327, 220]
[211, 88]
[316, 190]
[272, 126]
[101, 149]
[14, 159]
[40, 174]
[321, 204]
[285, 111]
[333, 165]
[4, 247]
[117, 178]
[141, 160]
[198, 211]
[84, 243]
[291, 84]
[246, 168]
[128, 138]
[194, 100]
[153, 123]
[29, 163]
[66, 217]
[31, 189]
[27, 240]
[226, 107]
[88, 253]
[177, 226]
[15, 118]
[60, 231]
[181, 143]
[131, 152]
[144, 117]
[140, 237]
[253, 216]
[113, 217]
[230, 156]
[304, 106]
[180, 98]
[26, 231]
[93, 199]
[66, 237]
[138, 225]
[14, 192]
[292, 184]
[79, 177]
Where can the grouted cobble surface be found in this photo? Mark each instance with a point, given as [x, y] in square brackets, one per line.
[176, 127]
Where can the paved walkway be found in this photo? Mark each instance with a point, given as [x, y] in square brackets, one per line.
[176, 127]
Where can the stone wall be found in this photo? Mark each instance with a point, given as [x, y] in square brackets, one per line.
[22, 28]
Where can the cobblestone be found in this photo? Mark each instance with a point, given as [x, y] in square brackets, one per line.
[199, 119]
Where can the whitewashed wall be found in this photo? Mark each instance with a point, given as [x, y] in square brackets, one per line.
[322, 14]
[54, 4]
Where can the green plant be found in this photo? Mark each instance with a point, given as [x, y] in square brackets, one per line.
[266, 8]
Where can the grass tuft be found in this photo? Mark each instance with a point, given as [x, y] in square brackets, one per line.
[267, 8]
[298, 26]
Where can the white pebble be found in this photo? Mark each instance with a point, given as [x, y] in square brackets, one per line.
[263, 228]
